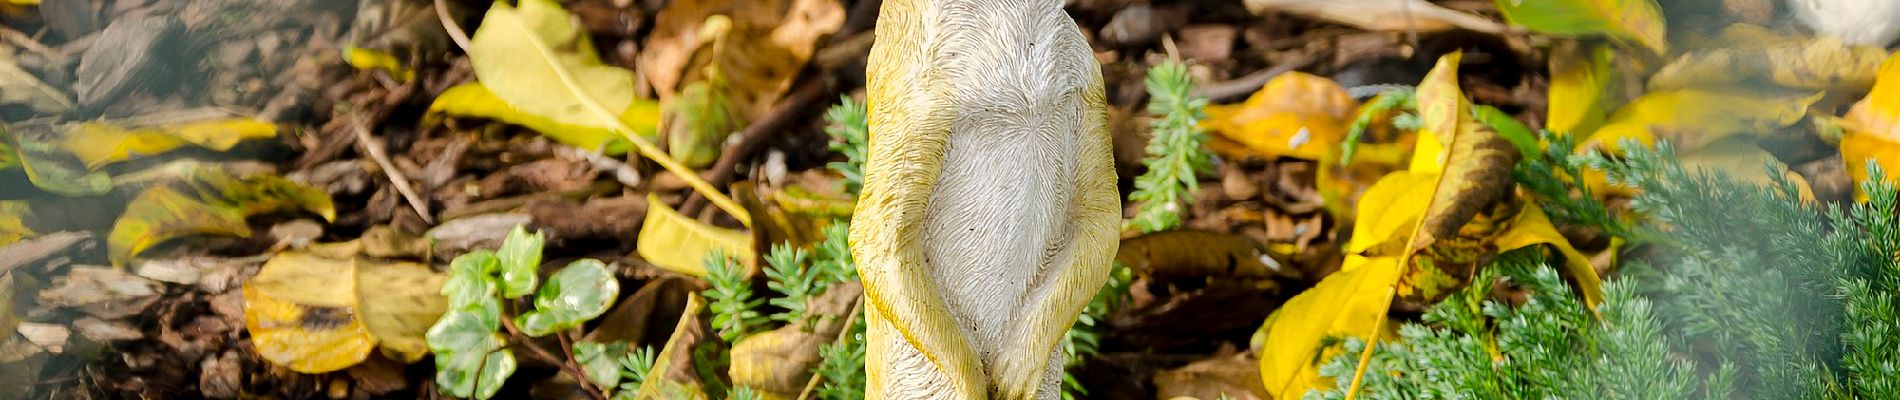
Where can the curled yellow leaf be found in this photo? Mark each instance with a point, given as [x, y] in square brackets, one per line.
[680, 244]
[1348, 303]
[1532, 227]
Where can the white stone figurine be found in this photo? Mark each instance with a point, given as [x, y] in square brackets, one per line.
[989, 214]
[1860, 22]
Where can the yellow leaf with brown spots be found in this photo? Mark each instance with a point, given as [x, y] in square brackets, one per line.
[314, 313]
[1295, 115]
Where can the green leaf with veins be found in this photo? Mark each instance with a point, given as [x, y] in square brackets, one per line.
[471, 279]
[580, 292]
[520, 257]
[601, 361]
[471, 360]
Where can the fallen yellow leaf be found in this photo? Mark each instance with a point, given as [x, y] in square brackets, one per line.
[1579, 89]
[474, 100]
[1532, 227]
[1639, 21]
[208, 200]
[1873, 129]
[372, 59]
[1295, 115]
[99, 143]
[538, 60]
[1818, 63]
[1691, 118]
[1348, 303]
[680, 244]
[314, 313]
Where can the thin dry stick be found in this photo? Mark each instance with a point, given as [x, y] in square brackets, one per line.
[26, 42]
[566, 365]
[647, 149]
[448, 24]
[843, 334]
[375, 149]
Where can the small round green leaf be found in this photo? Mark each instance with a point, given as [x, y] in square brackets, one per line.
[520, 256]
[470, 279]
[474, 375]
[580, 292]
[601, 361]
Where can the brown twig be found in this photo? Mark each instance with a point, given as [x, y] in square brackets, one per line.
[754, 137]
[566, 365]
[376, 153]
[448, 25]
[26, 42]
[1225, 90]
[843, 334]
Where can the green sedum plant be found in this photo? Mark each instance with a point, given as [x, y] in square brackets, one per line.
[847, 125]
[473, 358]
[735, 310]
[1176, 157]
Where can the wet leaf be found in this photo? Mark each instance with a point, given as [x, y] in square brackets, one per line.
[99, 143]
[520, 261]
[1380, 15]
[1873, 128]
[372, 59]
[208, 201]
[57, 172]
[350, 304]
[1691, 118]
[1348, 303]
[1819, 63]
[1639, 21]
[475, 100]
[680, 244]
[1580, 98]
[580, 292]
[19, 87]
[1294, 115]
[471, 359]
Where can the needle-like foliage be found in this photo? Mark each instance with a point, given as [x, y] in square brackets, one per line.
[1176, 157]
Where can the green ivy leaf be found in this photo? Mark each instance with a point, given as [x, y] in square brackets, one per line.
[601, 361]
[470, 358]
[471, 279]
[520, 257]
[580, 292]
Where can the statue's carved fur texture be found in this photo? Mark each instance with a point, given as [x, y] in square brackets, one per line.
[989, 214]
